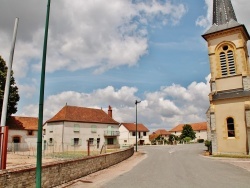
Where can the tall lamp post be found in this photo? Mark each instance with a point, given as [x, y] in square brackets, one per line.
[41, 100]
[136, 102]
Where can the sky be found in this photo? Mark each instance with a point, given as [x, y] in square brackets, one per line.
[114, 52]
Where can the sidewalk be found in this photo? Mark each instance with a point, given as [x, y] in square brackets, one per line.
[95, 180]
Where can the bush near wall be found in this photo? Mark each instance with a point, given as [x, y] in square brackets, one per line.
[57, 173]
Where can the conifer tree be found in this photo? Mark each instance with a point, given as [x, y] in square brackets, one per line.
[13, 92]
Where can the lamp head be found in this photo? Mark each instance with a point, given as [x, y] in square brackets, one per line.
[136, 101]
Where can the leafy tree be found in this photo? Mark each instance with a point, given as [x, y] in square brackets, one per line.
[187, 131]
[13, 92]
[172, 138]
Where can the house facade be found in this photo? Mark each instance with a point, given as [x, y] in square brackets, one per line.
[22, 133]
[73, 128]
[199, 128]
[128, 134]
[160, 132]
[228, 116]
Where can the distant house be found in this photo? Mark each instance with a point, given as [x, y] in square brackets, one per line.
[160, 132]
[199, 128]
[128, 134]
[74, 127]
[22, 133]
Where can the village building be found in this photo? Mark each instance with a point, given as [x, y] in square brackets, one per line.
[22, 133]
[128, 134]
[200, 130]
[163, 133]
[74, 127]
[228, 116]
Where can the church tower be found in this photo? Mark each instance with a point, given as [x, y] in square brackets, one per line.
[228, 115]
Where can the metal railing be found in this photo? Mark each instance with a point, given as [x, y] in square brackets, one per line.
[111, 133]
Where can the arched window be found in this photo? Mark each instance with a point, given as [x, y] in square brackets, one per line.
[230, 127]
[227, 61]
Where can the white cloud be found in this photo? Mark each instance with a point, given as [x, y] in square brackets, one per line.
[164, 108]
[85, 34]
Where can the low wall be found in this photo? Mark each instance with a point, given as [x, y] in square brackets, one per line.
[57, 173]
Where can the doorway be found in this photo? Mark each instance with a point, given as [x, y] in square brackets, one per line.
[16, 140]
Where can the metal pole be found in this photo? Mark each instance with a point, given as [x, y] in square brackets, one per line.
[41, 100]
[3, 146]
[136, 102]
[7, 83]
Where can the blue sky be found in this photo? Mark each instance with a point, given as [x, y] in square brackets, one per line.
[102, 54]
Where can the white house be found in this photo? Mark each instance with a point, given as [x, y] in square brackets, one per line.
[73, 127]
[128, 134]
[22, 133]
[199, 128]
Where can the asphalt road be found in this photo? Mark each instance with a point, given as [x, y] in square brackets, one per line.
[180, 166]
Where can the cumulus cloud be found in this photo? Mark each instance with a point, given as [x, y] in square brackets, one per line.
[84, 34]
[165, 108]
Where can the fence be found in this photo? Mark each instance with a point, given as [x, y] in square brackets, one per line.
[59, 150]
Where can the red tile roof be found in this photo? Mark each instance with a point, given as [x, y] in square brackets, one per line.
[162, 132]
[82, 114]
[22, 123]
[132, 127]
[196, 127]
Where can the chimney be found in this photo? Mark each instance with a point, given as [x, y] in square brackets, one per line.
[110, 111]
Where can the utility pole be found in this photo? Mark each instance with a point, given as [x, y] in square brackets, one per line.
[136, 102]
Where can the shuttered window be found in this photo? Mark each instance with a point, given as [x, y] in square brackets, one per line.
[227, 63]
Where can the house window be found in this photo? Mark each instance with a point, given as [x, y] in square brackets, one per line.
[144, 133]
[76, 142]
[76, 128]
[50, 129]
[30, 132]
[91, 141]
[110, 141]
[230, 127]
[93, 128]
[125, 141]
[98, 142]
[133, 133]
[227, 61]
[51, 141]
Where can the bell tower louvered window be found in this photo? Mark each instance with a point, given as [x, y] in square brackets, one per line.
[227, 62]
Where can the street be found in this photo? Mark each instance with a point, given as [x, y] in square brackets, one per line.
[181, 166]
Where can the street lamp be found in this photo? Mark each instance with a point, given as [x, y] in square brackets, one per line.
[136, 102]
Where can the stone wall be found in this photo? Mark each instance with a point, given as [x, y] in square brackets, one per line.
[57, 173]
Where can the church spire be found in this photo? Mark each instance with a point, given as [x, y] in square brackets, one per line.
[223, 12]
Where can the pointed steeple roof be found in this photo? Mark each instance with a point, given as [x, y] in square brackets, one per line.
[223, 12]
[224, 18]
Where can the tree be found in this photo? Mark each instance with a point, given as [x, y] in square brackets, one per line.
[187, 131]
[172, 139]
[13, 92]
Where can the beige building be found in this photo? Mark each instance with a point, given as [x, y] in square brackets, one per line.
[228, 116]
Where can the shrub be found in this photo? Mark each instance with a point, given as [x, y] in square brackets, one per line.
[187, 139]
[200, 140]
[208, 144]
